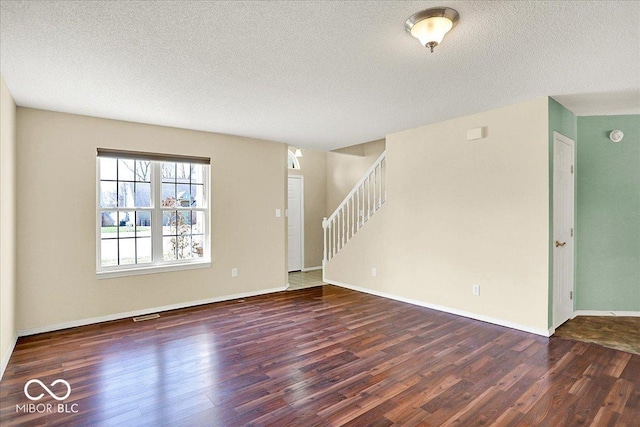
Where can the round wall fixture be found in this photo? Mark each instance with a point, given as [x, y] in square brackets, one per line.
[616, 135]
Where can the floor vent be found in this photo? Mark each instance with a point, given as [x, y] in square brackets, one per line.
[146, 317]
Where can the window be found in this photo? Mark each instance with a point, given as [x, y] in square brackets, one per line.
[292, 160]
[153, 212]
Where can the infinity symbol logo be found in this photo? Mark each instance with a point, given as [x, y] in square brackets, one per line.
[52, 394]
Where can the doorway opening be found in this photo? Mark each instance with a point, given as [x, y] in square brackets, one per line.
[295, 223]
[305, 279]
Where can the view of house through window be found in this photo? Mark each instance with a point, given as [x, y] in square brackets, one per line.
[151, 213]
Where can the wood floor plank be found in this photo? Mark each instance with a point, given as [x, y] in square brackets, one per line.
[316, 357]
[631, 411]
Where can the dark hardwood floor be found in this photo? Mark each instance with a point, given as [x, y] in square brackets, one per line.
[314, 357]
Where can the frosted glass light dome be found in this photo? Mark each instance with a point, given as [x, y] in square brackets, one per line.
[431, 30]
[430, 25]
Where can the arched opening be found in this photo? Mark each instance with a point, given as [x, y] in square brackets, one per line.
[292, 161]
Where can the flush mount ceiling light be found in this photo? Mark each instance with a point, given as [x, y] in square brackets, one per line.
[430, 25]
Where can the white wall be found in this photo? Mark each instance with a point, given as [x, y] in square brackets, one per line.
[56, 219]
[7, 224]
[463, 212]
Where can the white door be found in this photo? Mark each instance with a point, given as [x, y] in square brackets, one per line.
[295, 220]
[563, 196]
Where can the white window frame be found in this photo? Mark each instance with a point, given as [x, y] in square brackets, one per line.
[158, 264]
[294, 160]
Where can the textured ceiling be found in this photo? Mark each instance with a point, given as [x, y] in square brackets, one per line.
[316, 74]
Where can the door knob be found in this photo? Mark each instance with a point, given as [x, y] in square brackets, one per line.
[560, 243]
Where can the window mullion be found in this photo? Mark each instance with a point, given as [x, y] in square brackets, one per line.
[156, 216]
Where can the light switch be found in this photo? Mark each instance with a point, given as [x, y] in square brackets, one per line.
[278, 213]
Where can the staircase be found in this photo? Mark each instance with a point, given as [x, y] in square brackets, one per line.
[362, 202]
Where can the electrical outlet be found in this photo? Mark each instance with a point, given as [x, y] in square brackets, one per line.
[475, 289]
[234, 272]
[374, 272]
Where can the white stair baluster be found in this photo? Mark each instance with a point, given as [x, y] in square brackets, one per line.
[349, 210]
[352, 216]
[368, 195]
[340, 229]
[344, 222]
[349, 217]
[358, 208]
[375, 176]
[382, 187]
[333, 237]
[324, 237]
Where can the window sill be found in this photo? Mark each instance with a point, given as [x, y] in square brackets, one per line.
[109, 274]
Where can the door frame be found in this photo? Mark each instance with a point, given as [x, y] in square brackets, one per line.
[560, 138]
[301, 178]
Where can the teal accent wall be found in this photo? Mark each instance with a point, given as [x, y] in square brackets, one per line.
[608, 214]
[562, 121]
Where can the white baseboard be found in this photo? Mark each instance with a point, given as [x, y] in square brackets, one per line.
[312, 268]
[544, 332]
[118, 316]
[7, 356]
[607, 313]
